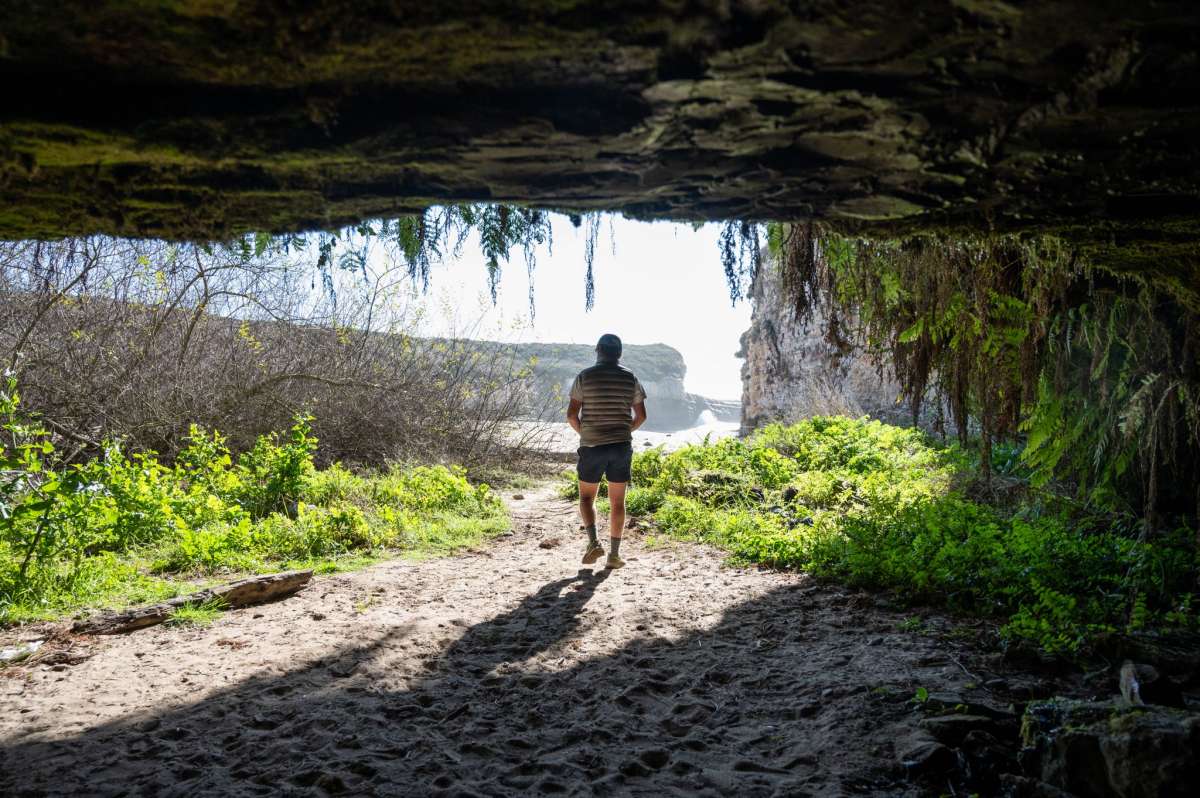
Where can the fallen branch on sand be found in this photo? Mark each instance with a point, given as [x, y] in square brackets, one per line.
[241, 593]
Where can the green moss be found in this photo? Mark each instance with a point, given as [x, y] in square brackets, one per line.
[61, 146]
[351, 111]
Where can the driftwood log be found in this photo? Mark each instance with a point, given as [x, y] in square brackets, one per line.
[241, 593]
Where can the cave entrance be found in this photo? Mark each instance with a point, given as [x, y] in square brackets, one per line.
[660, 286]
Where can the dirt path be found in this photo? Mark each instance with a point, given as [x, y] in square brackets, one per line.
[507, 671]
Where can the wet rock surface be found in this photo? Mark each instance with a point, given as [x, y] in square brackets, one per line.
[953, 729]
[204, 119]
[924, 756]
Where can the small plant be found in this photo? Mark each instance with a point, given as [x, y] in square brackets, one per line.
[362, 605]
[273, 475]
[197, 614]
[913, 625]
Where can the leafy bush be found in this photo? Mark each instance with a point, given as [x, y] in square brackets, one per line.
[112, 528]
[643, 501]
[272, 476]
[880, 506]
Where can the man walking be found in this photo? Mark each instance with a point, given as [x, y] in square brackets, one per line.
[613, 405]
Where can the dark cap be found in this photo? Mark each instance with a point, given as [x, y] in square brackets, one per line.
[609, 345]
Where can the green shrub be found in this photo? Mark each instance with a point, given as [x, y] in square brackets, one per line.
[432, 489]
[205, 463]
[272, 475]
[98, 532]
[720, 488]
[211, 548]
[335, 484]
[647, 465]
[643, 501]
[877, 506]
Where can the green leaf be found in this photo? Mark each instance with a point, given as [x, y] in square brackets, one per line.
[913, 332]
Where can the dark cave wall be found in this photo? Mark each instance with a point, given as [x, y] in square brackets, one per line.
[201, 119]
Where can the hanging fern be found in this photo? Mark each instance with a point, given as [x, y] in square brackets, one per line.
[423, 239]
[535, 231]
[591, 234]
[1017, 336]
[741, 248]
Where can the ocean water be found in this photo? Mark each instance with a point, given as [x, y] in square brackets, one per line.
[559, 438]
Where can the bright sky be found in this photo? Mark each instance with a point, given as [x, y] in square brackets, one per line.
[664, 284]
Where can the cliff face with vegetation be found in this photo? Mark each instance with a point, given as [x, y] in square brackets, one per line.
[199, 119]
[791, 371]
[660, 369]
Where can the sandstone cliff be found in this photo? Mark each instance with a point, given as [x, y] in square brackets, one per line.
[791, 372]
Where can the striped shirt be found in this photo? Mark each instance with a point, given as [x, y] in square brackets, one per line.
[608, 393]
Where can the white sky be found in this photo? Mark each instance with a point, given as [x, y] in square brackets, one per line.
[664, 285]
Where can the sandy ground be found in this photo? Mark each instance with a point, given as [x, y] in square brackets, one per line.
[505, 671]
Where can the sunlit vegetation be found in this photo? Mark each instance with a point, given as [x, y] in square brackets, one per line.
[878, 506]
[196, 613]
[126, 527]
[1096, 375]
[137, 340]
[1075, 386]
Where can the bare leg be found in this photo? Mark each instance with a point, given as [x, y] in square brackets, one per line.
[616, 509]
[587, 512]
[587, 502]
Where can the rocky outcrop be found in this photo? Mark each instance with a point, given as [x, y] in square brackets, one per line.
[790, 371]
[200, 120]
[1108, 751]
[660, 369]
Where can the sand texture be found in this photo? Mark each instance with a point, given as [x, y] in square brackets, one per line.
[504, 671]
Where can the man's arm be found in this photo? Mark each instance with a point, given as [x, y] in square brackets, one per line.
[573, 414]
[639, 416]
[639, 405]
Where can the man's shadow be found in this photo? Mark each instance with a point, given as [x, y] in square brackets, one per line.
[535, 625]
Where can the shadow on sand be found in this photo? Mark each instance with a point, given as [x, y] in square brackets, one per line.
[744, 707]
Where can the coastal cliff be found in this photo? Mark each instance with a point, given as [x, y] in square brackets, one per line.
[791, 372]
[660, 369]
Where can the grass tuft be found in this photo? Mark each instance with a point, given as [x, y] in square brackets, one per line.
[198, 614]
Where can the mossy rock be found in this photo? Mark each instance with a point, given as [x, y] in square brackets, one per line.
[205, 119]
[1102, 749]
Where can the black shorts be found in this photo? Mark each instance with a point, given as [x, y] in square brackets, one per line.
[614, 460]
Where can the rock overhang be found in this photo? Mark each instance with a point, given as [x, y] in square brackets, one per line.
[194, 119]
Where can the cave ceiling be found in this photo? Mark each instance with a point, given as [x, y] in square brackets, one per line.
[206, 118]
